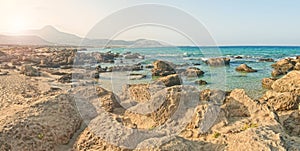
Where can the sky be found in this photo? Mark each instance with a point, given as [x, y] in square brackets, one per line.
[230, 22]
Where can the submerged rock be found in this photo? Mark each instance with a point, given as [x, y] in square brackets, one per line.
[245, 68]
[201, 82]
[218, 61]
[193, 72]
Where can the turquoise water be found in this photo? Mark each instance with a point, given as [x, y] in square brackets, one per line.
[230, 79]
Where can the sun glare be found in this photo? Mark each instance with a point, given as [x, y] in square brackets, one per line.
[17, 25]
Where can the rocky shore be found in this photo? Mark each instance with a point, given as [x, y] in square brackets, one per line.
[50, 100]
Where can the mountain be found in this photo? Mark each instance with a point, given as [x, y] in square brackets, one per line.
[23, 40]
[50, 35]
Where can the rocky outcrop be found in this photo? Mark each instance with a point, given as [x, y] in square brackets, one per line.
[245, 68]
[268, 82]
[218, 61]
[283, 66]
[162, 68]
[285, 93]
[193, 72]
[170, 80]
[29, 71]
[42, 126]
[288, 83]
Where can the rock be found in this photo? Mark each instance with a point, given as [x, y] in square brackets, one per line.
[214, 96]
[282, 101]
[170, 80]
[137, 76]
[95, 75]
[162, 68]
[282, 67]
[67, 78]
[44, 125]
[297, 66]
[266, 60]
[268, 82]
[2, 73]
[276, 73]
[218, 61]
[261, 138]
[99, 69]
[245, 68]
[133, 56]
[29, 71]
[135, 67]
[149, 66]
[292, 123]
[193, 72]
[238, 57]
[288, 83]
[6, 66]
[201, 82]
[66, 67]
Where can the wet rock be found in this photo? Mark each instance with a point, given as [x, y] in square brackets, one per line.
[268, 82]
[238, 57]
[162, 68]
[193, 72]
[149, 66]
[266, 60]
[201, 82]
[99, 69]
[29, 71]
[133, 56]
[218, 61]
[170, 80]
[245, 68]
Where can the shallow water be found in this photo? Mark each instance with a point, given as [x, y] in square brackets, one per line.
[225, 78]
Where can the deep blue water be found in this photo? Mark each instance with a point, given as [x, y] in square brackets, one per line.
[231, 79]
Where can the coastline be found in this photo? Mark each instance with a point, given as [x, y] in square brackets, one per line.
[40, 86]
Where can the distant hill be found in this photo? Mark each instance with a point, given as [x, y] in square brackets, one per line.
[51, 35]
[23, 40]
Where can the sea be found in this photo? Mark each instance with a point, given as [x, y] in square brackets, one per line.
[224, 78]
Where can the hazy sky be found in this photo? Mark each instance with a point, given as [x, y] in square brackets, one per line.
[230, 22]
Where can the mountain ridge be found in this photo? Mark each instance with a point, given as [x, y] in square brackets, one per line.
[49, 35]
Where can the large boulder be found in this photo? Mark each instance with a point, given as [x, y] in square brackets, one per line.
[218, 61]
[45, 125]
[29, 71]
[282, 101]
[193, 72]
[282, 67]
[288, 83]
[170, 80]
[162, 68]
[245, 68]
